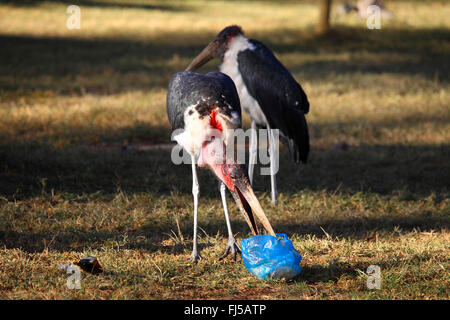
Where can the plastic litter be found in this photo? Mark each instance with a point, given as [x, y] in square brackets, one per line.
[267, 257]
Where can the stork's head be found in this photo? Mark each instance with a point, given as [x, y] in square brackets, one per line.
[216, 48]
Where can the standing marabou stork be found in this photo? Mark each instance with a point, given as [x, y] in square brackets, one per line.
[267, 91]
[201, 108]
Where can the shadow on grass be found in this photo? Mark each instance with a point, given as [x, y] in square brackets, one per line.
[149, 238]
[318, 273]
[335, 270]
[70, 66]
[79, 241]
[401, 51]
[408, 171]
[412, 171]
[32, 169]
[111, 65]
[99, 4]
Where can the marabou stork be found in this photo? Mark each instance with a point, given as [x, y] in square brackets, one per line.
[202, 108]
[267, 91]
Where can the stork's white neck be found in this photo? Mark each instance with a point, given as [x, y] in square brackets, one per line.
[238, 44]
[230, 67]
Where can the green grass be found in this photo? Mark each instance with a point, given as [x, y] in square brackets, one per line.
[70, 100]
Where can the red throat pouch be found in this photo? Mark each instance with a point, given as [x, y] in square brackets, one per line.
[214, 122]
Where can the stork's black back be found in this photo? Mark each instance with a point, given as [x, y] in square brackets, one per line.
[281, 98]
[214, 89]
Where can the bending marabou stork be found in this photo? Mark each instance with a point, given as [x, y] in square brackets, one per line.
[267, 91]
[201, 109]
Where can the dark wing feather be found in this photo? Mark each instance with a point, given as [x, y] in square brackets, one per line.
[280, 97]
[176, 102]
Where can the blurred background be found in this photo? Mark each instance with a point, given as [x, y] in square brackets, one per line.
[85, 141]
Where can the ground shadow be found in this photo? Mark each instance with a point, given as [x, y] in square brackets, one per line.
[149, 237]
[74, 65]
[71, 66]
[407, 172]
[400, 50]
[336, 269]
[414, 171]
[100, 4]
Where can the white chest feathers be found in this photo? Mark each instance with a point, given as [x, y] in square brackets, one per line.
[195, 131]
[198, 129]
[230, 68]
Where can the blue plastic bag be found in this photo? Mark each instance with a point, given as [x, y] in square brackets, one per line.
[268, 257]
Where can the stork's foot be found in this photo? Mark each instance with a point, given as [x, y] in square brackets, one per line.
[232, 247]
[195, 256]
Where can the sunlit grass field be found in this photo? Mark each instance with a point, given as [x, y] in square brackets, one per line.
[85, 168]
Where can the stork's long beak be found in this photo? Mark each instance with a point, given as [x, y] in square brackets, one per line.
[235, 178]
[211, 51]
[248, 204]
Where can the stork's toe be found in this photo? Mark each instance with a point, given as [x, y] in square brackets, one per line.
[233, 248]
[195, 256]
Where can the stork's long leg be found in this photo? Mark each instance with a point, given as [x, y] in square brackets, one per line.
[253, 147]
[195, 192]
[273, 179]
[232, 245]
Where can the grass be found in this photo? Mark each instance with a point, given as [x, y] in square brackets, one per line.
[73, 102]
